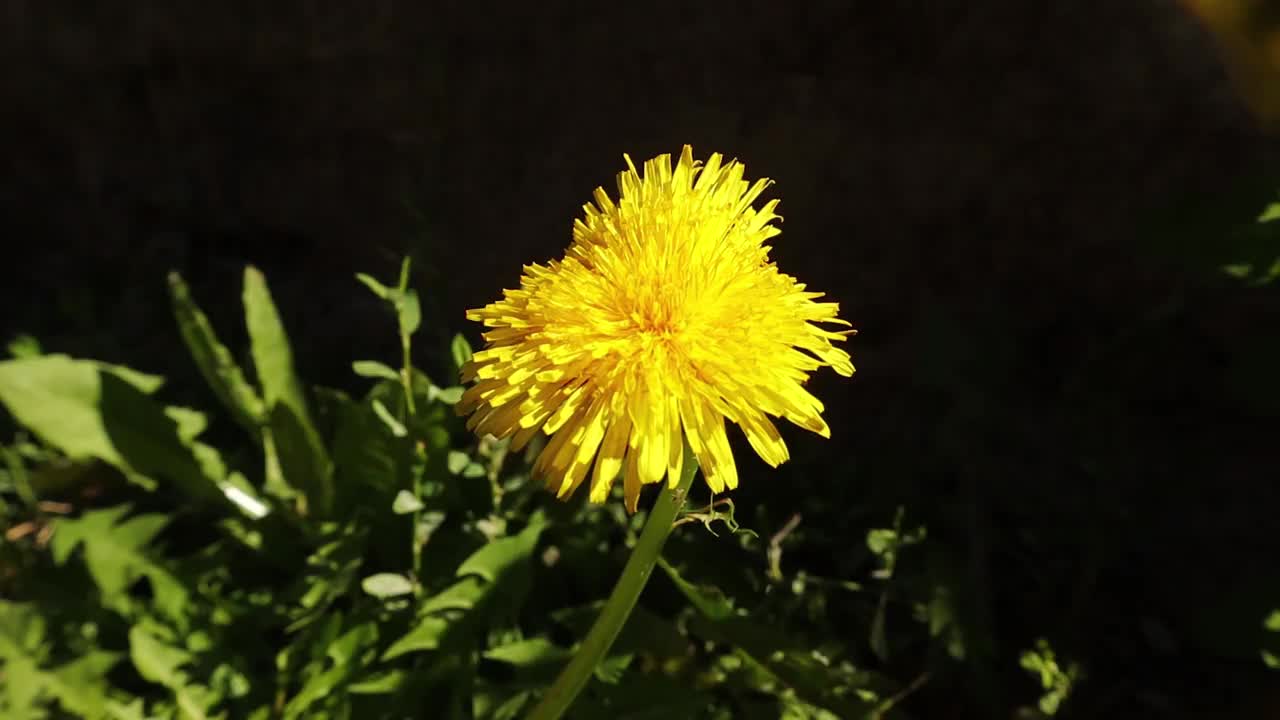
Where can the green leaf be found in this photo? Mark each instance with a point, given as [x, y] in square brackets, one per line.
[214, 361]
[395, 426]
[24, 346]
[425, 635]
[406, 503]
[449, 395]
[78, 686]
[457, 461]
[346, 654]
[530, 652]
[302, 457]
[612, 668]
[190, 423]
[385, 585]
[274, 482]
[272, 354]
[408, 312]
[504, 556]
[329, 572]
[1225, 235]
[378, 288]
[494, 704]
[880, 540]
[22, 631]
[379, 683]
[87, 412]
[366, 455]
[146, 382]
[708, 600]
[462, 595]
[351, 643]
[156, 660]
[497, 572]
[460, 352]
[791, 666]
[374, 369]
[115, 554]
[135, 710]
[1272, 622]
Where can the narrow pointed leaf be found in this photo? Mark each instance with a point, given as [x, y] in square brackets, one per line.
[302, 459]
[215, 362]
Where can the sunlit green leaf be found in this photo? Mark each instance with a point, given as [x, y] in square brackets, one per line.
[534, 651]
[425, 635]
[190, 423]
[1272, 622]
[500, 557]
[462, 595]
[302, 456]
[385, 585]
[460, 351]
[28, 683]
[156, 660]
[406, 503]
[115, 552]
[458, 460]
[449, 395]
[214, 361]
[377, 683]
[145, 382]
[90, 413]
[378, 288]
[396, 427]
[408, 312]
[374, 369]
[24, 346]
[329, 572]
[344, 653]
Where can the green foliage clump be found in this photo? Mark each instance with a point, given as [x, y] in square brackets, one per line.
[310, 553]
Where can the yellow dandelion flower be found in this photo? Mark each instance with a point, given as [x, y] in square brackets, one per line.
[665, 318]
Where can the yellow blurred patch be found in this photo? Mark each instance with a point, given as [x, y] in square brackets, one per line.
[1248, 34]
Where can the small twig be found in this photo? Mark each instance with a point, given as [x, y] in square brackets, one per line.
[774, 553]
[787, 529]
[903, 694]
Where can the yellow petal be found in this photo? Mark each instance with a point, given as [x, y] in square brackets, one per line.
[675, 443]
[610, 458]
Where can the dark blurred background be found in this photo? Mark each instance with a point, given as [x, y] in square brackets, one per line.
[1022, 206]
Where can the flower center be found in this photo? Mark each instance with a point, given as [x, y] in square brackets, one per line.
[657, 317]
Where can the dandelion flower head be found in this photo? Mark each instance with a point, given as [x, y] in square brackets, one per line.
[664, 319]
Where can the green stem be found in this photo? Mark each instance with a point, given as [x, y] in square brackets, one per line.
[622, 601]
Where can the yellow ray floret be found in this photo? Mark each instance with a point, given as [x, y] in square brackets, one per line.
[664, 319]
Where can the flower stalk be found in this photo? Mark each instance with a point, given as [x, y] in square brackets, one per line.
[576, 675]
